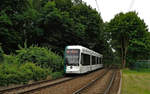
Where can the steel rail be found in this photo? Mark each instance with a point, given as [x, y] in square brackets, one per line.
[33, 84]
[32, 90]
[22, 86]
[42, 87]
[36, 89]
[90, 83]
[110, 83]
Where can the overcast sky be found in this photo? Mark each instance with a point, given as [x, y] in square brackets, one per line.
[108, 8]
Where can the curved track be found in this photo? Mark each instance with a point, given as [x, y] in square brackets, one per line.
[104, 89]
[70, 86]
[67, 85]
[34, 86]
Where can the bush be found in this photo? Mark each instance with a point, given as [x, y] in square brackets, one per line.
[11, 59]
[56, 75]
[42, 57]
[33, 63]
[9, 73]
[12, 72]
[22, 74]
[32, 72]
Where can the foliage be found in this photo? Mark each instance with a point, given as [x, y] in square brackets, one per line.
[8, 37]
[56, 75]
[20, 73]
[50, 24]
[13, 6]
[127, 29]
[33, 72]
[40, 56]
[33, 63]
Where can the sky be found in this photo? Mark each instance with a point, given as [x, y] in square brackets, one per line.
[109, 8]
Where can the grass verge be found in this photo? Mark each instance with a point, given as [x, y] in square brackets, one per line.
[135, 82]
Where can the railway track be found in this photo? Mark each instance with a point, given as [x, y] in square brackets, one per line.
[35, 86]
[69, 87]
[63, 85]
[101, 90]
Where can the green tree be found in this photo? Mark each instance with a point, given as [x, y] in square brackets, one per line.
[124, 28]
[13, 6]
[92, 22]
[54, 24]
[139, 48]
[8, 35]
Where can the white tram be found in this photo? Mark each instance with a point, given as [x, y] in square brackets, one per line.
[79, 59]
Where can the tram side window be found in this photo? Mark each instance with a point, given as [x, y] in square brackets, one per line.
[100, 60]
[97, 60]
[85, 60]
[93, 60]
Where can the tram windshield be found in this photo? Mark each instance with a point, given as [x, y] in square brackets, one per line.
[72, 57]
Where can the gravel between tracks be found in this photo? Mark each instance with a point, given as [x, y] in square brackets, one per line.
[36, 86]
[100, 85]
[71, 86]
[115, 86]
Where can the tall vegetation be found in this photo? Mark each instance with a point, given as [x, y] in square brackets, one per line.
[129, 36]
[40, 56]
[50, 24]
[53, 24]
[33, 63]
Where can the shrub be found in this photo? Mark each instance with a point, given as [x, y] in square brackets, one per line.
[11, 59]
[33, 63]
[22, 74]
[9, 74]
[12, 72]
[41, 56]
[56, 75]
[33, 72]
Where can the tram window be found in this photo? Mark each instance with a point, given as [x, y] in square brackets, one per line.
[93, 60]
[72, 57]
[100, 59]
[97, 60]
[85, 60]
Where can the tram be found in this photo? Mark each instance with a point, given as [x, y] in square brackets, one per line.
[79, 60]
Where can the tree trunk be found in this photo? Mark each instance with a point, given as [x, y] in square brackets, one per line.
[124, 62]
[124, 47]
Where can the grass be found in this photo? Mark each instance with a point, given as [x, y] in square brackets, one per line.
[135, 82]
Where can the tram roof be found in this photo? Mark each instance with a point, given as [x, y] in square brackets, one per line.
[83, 48]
